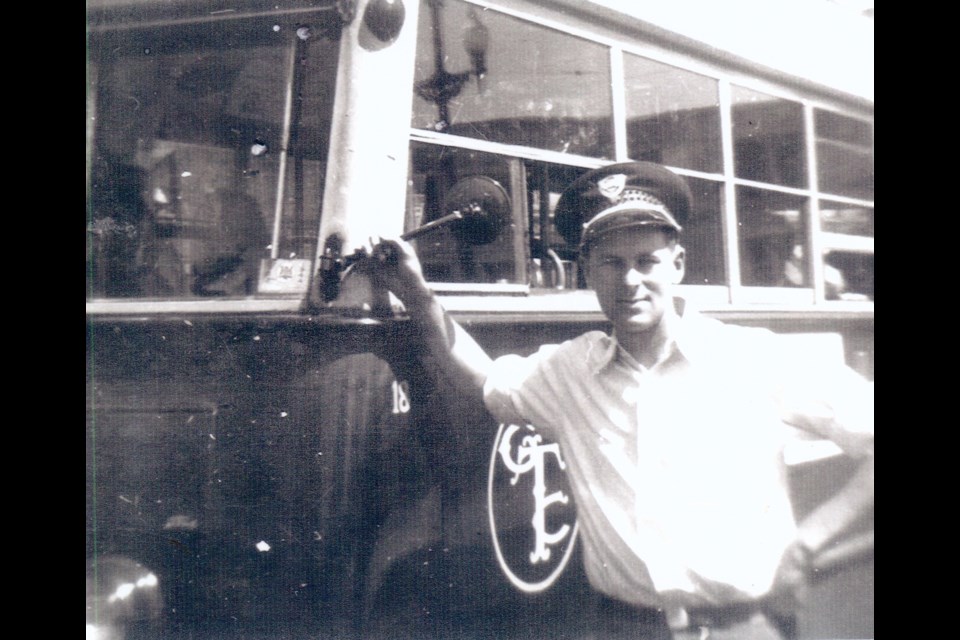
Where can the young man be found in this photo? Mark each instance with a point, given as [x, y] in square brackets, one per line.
[672, 425]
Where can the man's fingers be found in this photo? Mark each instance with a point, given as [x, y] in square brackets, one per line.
[386, 250]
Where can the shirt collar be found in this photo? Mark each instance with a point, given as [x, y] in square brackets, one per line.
[687, 340]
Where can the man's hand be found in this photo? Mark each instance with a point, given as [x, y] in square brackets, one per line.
[393, 264]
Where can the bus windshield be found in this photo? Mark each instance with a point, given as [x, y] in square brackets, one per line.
[206, 144]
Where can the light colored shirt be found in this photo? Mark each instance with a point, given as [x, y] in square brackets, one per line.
[677, 470]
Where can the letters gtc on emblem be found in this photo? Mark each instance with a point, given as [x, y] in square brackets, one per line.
[530, 456]
[530, 571]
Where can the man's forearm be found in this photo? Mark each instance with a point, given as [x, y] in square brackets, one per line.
[442, 342]
[447, 345]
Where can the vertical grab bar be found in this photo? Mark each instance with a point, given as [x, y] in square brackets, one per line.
[284, 143]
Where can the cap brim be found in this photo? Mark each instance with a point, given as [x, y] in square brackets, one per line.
[624, 216]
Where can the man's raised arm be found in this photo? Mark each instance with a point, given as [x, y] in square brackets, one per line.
[393, 264]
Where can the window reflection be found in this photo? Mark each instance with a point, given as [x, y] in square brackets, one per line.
[456, 252]
[554, 263]
[528, 249]
[771, 238]
[541, 88]
[836, 217]
[184, 159]
[673, 115]
[702, 235]
[768, 138]
[848, 249]
[844, 154]
[852, 274]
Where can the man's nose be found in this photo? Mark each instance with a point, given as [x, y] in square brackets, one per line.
[634, 276]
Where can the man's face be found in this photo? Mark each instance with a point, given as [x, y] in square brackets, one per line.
[633, 272]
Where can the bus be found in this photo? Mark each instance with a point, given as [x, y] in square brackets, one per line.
[265, 455]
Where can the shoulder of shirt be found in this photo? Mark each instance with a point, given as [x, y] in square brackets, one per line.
[702, 337]
[593, 348]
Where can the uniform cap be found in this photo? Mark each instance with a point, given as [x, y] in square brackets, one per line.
[619, 196]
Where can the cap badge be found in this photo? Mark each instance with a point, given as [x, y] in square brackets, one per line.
[612, 186]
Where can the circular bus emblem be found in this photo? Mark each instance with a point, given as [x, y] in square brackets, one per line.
[532, 516]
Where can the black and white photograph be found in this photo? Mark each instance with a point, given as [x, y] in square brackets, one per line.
[479, 320]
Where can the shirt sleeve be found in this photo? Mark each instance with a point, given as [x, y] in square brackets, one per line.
[513, 385]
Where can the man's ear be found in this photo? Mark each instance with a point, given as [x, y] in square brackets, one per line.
[680, 263]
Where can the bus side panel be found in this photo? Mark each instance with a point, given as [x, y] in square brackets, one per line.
[291, 479]
[247, 466]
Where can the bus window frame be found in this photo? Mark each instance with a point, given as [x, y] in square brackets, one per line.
[105, 16]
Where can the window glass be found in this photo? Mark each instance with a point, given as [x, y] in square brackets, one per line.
[771, 236]
[702, 235]
[522, 84]
[836, 217]
[520, 244]
[184, 155]
[554, 263]
[848, 250]
[848, 274]
[768, 139]
[487, 245]
[673, 115]
[844, 154]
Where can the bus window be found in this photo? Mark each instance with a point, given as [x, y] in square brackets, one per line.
[528, 250]
[844, 147]
[703, 235]
[461, 252]
[673, 115]
[847, 220]
[844, 154]
[468, 109]
[771, 235]
[852, 273]
[768, 137]
[484, 75]
[207, 153]
[848, 250]
[553, 261]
